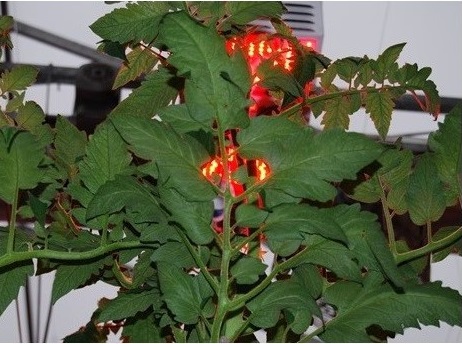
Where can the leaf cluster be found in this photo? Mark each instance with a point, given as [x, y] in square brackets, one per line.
[201, 256]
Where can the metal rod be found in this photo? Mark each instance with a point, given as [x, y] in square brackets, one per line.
[65, 44]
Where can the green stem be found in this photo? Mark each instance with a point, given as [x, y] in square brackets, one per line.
[248, 239]
[430, 247]
[388, 220]
[429, 232]
[104, 233]
[241, 329]
[12, 224]
[123, 280]
[210, 279]
[311, 335]
[333, 95]
[292, 261]
[69, 256]
[223, 299]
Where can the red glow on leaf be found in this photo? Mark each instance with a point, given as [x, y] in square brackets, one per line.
[214, 170]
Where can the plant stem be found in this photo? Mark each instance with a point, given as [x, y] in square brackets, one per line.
[14, 257]
[388, 220]
[292, 261]
[223, 287]
[104, 233]
[430, 247]
[124, 281]
[248, 239]
[213, 283]
[241, 329]
[310, 336]
[12, 224]
[223, 299]
[429, 232]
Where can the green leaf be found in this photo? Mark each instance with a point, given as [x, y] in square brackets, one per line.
[337, 113]
[128, 304]
[279, 296]
[216, 84]
[143, 269]
[309, 276]
[155, 93]
[30, 117]
[455, 247]
[20, 159]
[106, 156]
[357, 309]
[276, 78]
[38, 208]
[248, 215]
[347, 69]
[193, 217]
[315, 160]
[12, 278]
[289, 221]
[425, 200]
[14, 102]
[379, 106]
[138, 61]
[72, 276]
[184, 294]
[6, 24]
[18, 78]
[446, 143]
[247, 270]
[125, 191]
[385, 62]
[179, 118]
[394, 178]
[142, 329]
[90, 333]
[331, 255]
[70, 144]
[367, 241]
[176, 253]
[178, 157]
[243, 12]
[137, 22]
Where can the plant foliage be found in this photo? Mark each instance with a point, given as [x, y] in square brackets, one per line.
[234, 223]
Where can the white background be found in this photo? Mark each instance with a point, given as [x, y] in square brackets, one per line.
[432, 31]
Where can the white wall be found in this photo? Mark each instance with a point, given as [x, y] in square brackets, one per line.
[431, 30]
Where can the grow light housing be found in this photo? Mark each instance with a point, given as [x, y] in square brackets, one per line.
[305, 19]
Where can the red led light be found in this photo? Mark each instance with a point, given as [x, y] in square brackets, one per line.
[213, 170]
